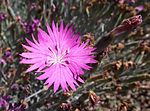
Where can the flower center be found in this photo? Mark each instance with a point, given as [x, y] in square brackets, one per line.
[55, 60]
[58, 59]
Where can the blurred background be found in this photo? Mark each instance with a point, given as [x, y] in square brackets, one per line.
[121, 80]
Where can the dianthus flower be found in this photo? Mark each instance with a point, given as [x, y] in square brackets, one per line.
[127, 1]
[3, 16]
[59, 55]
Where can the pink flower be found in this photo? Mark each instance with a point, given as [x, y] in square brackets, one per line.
[66, 1]
[139, 8]
[59, 55]
[128, 1]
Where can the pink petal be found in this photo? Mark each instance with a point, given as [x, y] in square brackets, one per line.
[33, 67]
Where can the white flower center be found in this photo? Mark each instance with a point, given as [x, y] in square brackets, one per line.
[56, 58]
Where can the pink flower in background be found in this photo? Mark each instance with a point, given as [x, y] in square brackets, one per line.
[66, 1]
[128, 1]
[139, 8]
[60, 55]
[3, 16]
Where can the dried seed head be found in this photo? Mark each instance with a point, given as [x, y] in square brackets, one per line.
[93, 98]
[127, 24]
[65, 106]
[89, 37]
